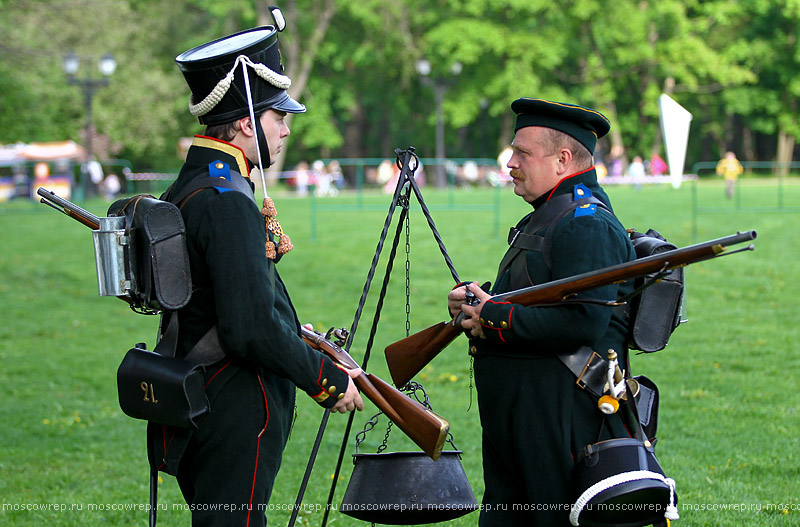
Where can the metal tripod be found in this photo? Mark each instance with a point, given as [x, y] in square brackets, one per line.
[408, 162]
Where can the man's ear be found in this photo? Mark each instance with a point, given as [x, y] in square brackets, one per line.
[564, 160]
[245, 126]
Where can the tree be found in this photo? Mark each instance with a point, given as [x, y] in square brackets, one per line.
[732, 64]
[768, 46]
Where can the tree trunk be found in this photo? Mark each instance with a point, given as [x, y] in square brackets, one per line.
[615, 135]
[784, 155]
[658, 141]
[354, 140]
[652, 38]
[747, 144]
[748, 151]
[506, 132]
[609, 107]
[300, 50]
[648, 78]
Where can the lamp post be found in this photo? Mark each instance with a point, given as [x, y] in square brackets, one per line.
[89, 85]
[439, 86]
[484, 126]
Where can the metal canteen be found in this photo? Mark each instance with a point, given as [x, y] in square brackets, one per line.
[408, 488]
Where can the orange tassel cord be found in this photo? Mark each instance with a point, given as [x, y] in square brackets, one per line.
[270, 214]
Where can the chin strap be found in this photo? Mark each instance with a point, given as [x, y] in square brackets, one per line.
[262, 148]
[282, 244]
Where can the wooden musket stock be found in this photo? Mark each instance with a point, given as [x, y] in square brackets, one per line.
[425, 428]
[408, 356]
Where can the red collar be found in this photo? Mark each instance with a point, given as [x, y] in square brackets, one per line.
[566, 178]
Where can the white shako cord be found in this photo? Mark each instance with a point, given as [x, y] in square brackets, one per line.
[212, 99]
[253, 125]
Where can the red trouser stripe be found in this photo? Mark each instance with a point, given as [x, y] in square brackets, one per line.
[258, 449]
[217, 373]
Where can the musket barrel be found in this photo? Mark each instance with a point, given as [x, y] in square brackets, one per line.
[69, 208]
[406, 357]
[666, 260]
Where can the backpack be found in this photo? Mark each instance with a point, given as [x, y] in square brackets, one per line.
[654, 312]
[657, 311]
[153, 262]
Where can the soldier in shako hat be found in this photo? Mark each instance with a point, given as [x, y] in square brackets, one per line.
[535, 418]
[227, 466]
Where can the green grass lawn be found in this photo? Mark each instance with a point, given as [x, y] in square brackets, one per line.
[729, 419]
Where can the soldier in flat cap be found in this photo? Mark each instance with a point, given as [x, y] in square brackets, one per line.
[535, 418]
[227, 466]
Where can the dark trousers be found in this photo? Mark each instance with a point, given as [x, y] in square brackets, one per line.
[230, 464]
[534, 420]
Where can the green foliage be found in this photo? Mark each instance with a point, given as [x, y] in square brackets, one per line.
[317, 128]
[732, 64]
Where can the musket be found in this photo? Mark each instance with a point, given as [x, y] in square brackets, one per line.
[75, 212]
[421, 425]
[408, 356]
[425, 428]
[70, 209]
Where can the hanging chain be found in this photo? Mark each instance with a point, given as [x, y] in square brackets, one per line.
[405, 204]
[386, 437]
[412, 389]
[408, 274]
[369, 425]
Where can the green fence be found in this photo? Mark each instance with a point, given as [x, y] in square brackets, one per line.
[368, 195]
[761, 173]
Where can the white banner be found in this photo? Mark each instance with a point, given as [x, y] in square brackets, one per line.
[675, 121]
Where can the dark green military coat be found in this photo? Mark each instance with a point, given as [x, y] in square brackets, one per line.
[234, 455]
[534, 417]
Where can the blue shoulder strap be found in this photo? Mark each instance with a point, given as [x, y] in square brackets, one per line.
[221, 178]
[581, 191]
[220, 170]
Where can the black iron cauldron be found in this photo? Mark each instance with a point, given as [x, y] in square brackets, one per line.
[408, 488]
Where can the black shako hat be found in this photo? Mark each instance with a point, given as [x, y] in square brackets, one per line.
[584, 124]
[215, 75]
